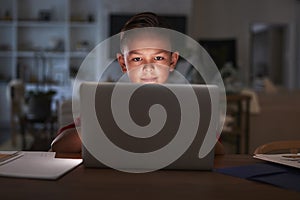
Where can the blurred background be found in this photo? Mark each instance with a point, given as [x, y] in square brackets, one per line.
[254, 43]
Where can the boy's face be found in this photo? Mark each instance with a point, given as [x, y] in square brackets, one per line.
[147, 59]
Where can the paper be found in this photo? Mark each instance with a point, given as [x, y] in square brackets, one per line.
[39, 165]
[292, 160]
[6, 157]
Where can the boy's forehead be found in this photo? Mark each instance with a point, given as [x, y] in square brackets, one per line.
[146, 40]
[147, 51]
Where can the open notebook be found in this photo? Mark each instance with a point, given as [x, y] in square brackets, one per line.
[292, 160]
[37, 165]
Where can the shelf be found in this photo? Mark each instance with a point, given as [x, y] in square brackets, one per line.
[4, 23]
[51, 34]
[41, 24]
[48, 84]
[4, 81]
[78, 54]
[33, 85]
[31, 54]
[82, 24]
[6, 53]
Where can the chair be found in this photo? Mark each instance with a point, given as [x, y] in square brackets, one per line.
[239, 126]
[38, 112]
[285, 146]
[16, 92]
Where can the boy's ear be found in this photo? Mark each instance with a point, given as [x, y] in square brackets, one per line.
[121, 61]
[174, 59]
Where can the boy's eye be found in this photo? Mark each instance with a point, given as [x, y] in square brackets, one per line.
[136, 59]
[158, 58]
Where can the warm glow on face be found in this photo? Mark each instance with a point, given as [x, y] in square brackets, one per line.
[148, 59]
[148, 65]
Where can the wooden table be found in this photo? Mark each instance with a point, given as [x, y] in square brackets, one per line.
[83, 183]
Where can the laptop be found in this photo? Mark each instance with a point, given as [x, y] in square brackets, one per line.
[118, 117]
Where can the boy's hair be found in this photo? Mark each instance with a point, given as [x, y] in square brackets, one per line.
[141, 20]
[145, 19]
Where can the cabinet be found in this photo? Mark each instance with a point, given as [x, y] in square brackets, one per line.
[43, 42]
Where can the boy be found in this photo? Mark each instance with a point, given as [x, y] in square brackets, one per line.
[146, 58]
[142, 65]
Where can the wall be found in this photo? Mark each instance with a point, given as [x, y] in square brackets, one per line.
[232, 18]
[163, 7]
[277, 120]
[224, 19]
[136, 6]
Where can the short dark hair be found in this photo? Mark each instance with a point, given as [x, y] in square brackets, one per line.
[142, 20]
[145, 19]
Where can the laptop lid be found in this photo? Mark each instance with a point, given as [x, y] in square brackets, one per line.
[143, 123]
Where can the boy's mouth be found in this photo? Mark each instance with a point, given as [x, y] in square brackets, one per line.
[149, 80]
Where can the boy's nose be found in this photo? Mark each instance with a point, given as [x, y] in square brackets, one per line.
[148, 67]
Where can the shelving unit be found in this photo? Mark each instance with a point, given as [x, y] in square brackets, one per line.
[43, 42]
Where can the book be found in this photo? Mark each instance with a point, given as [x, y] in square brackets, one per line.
[292, 160]
[36, 165]
[6, 157]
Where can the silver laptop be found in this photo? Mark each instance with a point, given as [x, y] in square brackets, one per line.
[118, 117]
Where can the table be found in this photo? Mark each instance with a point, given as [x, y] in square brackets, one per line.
[83, 183]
